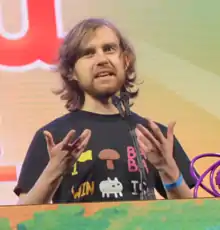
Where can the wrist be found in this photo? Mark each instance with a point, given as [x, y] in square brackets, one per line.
[45, 187]
[174, 185]
[170, 173]
[52, 173]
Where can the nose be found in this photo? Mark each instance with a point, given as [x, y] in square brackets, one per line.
[101, 58]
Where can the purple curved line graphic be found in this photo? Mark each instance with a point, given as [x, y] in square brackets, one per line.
[212, 170]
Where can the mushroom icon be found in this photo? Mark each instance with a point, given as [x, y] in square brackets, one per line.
[109, 155]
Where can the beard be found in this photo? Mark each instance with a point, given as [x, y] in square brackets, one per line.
[103, 91]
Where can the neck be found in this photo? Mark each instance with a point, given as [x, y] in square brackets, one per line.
[99, 106]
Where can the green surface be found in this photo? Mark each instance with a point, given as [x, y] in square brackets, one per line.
[166, 215]
[4, 224]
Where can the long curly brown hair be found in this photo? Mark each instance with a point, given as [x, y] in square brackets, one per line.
[69, 54]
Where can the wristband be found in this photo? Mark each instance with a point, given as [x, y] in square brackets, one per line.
[176, 184]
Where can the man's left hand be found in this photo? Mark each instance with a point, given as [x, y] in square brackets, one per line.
[157, 147]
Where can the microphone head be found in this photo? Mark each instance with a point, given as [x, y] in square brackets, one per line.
[124, 97]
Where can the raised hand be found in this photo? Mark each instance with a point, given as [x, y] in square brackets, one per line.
[64, 154]
[157, 147]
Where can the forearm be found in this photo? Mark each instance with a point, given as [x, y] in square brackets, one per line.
[171, 175]
[44, 189]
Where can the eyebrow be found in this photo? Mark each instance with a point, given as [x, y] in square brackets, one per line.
[83, 50]
[113, 44]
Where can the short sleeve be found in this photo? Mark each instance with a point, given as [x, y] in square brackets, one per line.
[34, 163]
[183, 164]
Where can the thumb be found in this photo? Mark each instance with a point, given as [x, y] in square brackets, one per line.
[49, 140]
[170, 130]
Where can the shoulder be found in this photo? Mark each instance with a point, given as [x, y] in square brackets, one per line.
[60, 123]
[179, 152]
[59, 127]
[144, 121]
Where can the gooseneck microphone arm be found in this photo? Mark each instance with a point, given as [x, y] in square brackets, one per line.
[145, 193]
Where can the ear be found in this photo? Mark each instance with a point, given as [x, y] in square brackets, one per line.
[74, 76]
[126, 61]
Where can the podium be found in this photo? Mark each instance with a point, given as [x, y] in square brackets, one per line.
[194, 214]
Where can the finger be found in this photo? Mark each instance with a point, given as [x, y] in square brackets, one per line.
[78, 149]
[69, 147]
[149, 136]
[49, 140]
[79, 142]
[170, 131]
[86, 133]
[73, 145]
[67, 139]
[143, 138]
[157, 132]
[143, 148]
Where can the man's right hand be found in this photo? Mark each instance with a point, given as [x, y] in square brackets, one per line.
[64, 154]
[62, 157]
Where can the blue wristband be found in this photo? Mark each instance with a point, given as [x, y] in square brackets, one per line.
[176, 184]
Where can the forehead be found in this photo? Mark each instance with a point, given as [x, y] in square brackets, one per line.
[100, 36]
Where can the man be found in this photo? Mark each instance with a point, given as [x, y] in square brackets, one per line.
[95, 63]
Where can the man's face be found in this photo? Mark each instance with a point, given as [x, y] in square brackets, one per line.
[100, 70]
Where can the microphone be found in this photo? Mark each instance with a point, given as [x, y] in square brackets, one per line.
[145, 193]
[124, 97]
[117, 103]
[213, 181]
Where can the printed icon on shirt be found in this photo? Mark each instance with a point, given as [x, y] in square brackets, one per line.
[85, 156]
[111, 187]
[109, 155]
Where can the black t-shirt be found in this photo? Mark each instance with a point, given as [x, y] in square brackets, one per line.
[107, 170]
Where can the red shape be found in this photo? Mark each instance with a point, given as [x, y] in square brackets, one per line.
[8, 173]
[39, 43]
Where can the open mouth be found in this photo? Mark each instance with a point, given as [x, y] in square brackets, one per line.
[104, 74]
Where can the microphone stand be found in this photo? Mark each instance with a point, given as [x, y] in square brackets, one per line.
[145, 193]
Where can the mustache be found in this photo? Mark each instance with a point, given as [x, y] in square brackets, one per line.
[104, 70]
